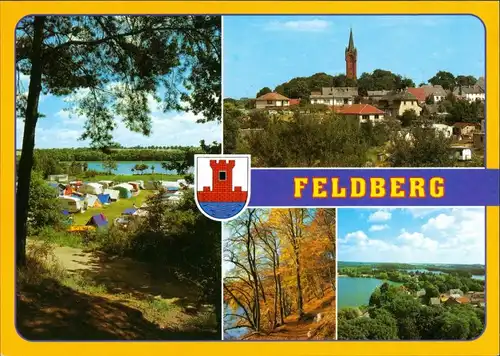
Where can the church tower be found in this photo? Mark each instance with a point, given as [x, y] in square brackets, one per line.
[351, 58]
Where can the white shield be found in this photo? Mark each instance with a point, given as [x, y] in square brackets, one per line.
[222, 184]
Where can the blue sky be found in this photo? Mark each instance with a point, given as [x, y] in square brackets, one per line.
[264, 51]
[60, 128]
[412, 235]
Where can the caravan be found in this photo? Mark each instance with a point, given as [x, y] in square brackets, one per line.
[72, 204]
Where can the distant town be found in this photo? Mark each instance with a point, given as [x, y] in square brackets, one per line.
[453, 106]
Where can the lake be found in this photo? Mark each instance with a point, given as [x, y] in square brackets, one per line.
[125, 167]
[230, 321]
[354, 292]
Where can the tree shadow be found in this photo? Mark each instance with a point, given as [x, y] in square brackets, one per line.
[51, 311]
[121, 275]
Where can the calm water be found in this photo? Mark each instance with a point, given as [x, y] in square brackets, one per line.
[481, 278]
[353, 292]
[230, 321]
[126, 167]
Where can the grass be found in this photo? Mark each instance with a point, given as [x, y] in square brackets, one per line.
[113, 210]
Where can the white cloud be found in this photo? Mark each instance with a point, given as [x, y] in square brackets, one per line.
[440, 222]
[378, 227]
[452, 236]
[380, 215]
[315, 25]
[356, 236]
[418, 240]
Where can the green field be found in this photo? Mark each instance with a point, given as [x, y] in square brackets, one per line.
[113, 210]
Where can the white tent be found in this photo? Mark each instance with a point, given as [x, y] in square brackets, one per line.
[141, 183]
[113, 194]
[169, 184]
[91, 199]
[91, 188]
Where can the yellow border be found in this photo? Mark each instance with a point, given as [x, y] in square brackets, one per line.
[12, 345]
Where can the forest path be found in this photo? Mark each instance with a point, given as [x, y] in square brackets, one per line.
[295, 329]
[100, 297]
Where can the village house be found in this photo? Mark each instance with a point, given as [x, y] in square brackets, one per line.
[419, 93]
[271, 100]
[396, 103]
[445, 129]
[470, 93]
[294, 102]
[376, 95]
[455, 293]
[465, 130]
[478, 138]
[476, 298]
[334, 96]
[362, 112]
[435, 93]
[461, 153]
[457, 300]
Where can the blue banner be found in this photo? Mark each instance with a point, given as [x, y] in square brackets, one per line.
[271, 187]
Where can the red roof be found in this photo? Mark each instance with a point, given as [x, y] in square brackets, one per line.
[294, 101]
[358, 109]
[463, 300]
[419, 93]
[272, 96]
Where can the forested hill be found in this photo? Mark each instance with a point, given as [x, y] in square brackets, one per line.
[379, 79]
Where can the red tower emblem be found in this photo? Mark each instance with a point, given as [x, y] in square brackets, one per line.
[222, 185]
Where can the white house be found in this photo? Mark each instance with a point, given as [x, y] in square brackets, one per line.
[362, 112]
[271, 100]
[435, 92]
[470, 93]
[445, 129]
[396, 103]
[334, 96]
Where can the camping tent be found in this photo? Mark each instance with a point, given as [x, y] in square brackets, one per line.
[91, 188]
[135, 185]
[130, 211]
[167, 184]
[91, 199]
[104, 198]
[124, 189]
[113, 194]
[98, 221]
[141, 183]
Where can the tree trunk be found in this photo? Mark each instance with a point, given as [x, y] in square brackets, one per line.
[300, 304]
[26, 161]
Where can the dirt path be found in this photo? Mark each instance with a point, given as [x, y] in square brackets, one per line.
[119, 274]
[295, 329]
[107, 299]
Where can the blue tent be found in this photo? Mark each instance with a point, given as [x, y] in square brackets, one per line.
[104, 198]
[98, 221]
[130, 211]
[172, 189]
[65, 212]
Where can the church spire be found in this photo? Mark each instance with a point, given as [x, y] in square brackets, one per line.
[351, 58]
[351, 42]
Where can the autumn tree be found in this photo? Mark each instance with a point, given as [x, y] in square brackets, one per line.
[112, 66]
